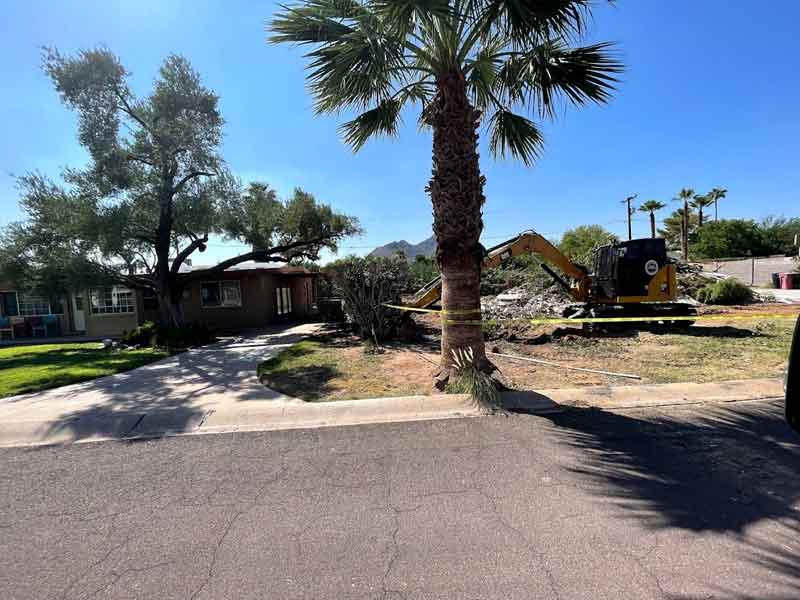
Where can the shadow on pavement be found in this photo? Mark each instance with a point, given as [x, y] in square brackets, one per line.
[169, 396]
[725, 470]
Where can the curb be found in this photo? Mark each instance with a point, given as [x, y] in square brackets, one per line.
[296, 414]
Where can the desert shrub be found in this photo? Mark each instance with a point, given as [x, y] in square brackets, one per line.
[150, 334]
[366, 284]
[725, 291]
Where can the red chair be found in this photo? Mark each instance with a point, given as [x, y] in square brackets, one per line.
[37, 326]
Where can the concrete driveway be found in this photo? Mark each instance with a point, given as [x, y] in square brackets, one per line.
[171, 395]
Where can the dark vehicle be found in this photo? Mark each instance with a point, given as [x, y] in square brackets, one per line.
[793, 382]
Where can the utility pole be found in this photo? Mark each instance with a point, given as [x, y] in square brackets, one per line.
[628, 201]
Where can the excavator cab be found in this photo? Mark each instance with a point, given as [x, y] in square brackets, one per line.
[628, 269]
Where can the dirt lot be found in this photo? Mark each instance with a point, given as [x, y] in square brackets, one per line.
[336, 366]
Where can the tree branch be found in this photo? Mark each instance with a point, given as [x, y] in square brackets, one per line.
[188, 177]
[186, 252]
[267, 255]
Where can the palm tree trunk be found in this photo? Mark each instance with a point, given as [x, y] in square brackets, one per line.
[652, 225]
[700, 221]
[685, 240]
[716, 212]
[456, 189]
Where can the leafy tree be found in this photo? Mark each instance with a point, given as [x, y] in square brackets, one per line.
[580, 243]
[672, 230]
[422, 270]
[716, 195]
[701, 202]
[154, 190]
[463, 62]
[780, 233]
[651, 207]
[730, 238]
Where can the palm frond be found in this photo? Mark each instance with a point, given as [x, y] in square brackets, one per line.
[381, 120]
[526, 22]
[515, 134]
[551, 70]
[313, 22]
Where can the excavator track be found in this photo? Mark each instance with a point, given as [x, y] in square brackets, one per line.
[662, 310]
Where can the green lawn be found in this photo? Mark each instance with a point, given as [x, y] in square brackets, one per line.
[32, 368]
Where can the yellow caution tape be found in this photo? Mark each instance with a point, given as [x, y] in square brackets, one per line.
[434, 310]
[567, 321]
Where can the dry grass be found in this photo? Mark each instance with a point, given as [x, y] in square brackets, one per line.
[336, 368]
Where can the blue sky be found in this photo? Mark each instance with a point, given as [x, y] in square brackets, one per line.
[709, 99]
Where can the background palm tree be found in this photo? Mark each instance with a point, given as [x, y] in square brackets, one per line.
[685, 196]
[463, 63]
[651, 206]
[716, 195]
[700, 202]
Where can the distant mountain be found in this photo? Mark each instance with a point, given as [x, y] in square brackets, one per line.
[425, 247]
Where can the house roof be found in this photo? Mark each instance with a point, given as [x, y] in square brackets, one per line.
[251, 266]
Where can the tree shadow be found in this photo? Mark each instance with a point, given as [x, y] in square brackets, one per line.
[310, 383]
[721, 470]
[172, 395]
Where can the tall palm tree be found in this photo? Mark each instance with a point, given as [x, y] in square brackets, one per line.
[651, 206]
[464, 63]
[700, 202]
[716, 195]
[685, 195]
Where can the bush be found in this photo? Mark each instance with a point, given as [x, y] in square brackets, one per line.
[725, 291]
[149, 334]
[366, 284]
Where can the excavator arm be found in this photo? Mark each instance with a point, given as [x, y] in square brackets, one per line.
[527, 242]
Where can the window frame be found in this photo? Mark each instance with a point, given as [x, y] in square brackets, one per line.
[112, 313]
[222, 304]
[18, 295]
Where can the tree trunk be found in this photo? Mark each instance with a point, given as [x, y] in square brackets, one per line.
[685, 240]
[169, 302]
[700, 217]
[456, 190]
[653, 225]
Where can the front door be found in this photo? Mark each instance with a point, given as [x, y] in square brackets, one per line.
[283, 301]
[78, 311]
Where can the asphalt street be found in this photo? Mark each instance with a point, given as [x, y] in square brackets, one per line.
[679, 502]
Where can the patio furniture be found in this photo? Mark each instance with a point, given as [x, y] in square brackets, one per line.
[20, 327]
[5, 328]
[52, 325]
[37, 326]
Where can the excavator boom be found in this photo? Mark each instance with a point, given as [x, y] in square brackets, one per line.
[527, 242]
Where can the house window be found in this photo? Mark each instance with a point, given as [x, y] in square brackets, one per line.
[215, 294]
[34, 306]
[149, 300]
[283, 300]
[112, 300]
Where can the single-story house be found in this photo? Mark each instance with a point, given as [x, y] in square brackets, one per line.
[248, 295]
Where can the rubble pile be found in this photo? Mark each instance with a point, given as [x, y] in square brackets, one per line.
[524, 303]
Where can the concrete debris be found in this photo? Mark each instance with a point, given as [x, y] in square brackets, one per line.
[524, 303]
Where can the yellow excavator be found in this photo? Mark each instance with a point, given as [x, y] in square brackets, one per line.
[629, 279]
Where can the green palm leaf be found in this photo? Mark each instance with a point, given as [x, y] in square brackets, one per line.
[516, 135]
